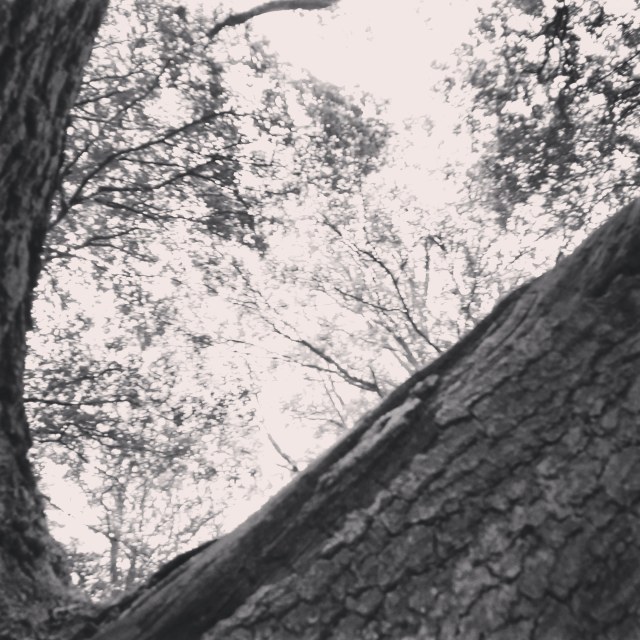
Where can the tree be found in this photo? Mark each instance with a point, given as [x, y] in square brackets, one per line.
[129, 404]
[362, 288]
[43, 47]
[492, 495]
[556, 84]
[142, 193]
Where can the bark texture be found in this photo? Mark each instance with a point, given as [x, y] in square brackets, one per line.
[44, 45]
[495, 495]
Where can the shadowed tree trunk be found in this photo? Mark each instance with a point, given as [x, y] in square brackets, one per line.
[494, 495]
[44, 45]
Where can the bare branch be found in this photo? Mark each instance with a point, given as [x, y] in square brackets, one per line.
[333, 394]
[373, 257]
[236, 19]
[291, 463]
[167, 135]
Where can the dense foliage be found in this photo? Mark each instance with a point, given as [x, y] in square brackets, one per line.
[556, 89]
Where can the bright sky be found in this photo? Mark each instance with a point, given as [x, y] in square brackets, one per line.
[384, 47]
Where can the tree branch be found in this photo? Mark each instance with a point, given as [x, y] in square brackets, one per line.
[236, 19]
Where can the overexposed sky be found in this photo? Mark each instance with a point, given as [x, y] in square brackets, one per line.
[386, 48]
[391, 50]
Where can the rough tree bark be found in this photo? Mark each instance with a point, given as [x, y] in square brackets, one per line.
[43, 47]
[494, 495]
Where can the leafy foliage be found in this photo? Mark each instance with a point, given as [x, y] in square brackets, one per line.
[556, 91]
[345, 145]
[153, 138]
[126, 400]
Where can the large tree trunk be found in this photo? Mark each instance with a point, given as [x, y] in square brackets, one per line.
[494, 495]
[44, 45]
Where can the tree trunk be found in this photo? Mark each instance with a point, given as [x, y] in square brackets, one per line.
[494, 495]
[44, 45]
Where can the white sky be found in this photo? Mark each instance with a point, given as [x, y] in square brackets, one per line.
[384, 47]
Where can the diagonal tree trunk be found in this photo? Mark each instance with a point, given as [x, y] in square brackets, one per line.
[494, 495]
[43, 47]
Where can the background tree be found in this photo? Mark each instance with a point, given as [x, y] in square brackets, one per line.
[147, 192]
[44, 47]
[391, 294]
[555, 87]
